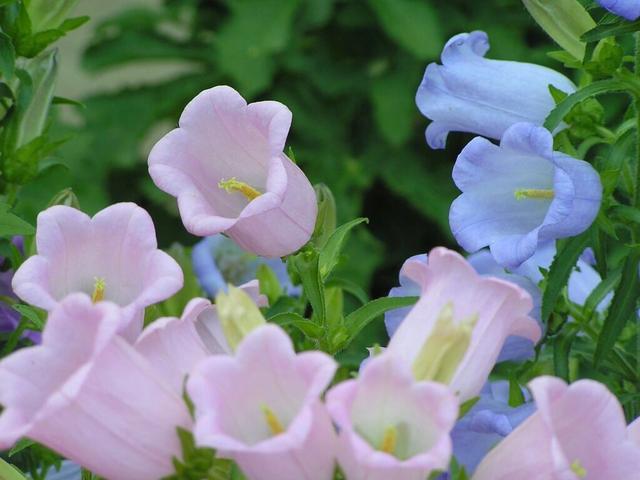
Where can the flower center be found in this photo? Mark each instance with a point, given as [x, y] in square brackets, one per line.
[98, 290]
[578, 469]
[275, 427]
[445, 347]
[234, 185]
[389, 440]
[534, 193]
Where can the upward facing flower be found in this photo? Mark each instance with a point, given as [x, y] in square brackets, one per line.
[225, 164]
[629, 9]
[112, 256]
[520, 194]
[262, 408]
[578, 433]
[457, 329]
[88, 395]
[469, 93]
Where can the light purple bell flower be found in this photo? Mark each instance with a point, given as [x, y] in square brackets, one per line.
[470, 93]
[217, 261]
[520, 194]
[629, 9]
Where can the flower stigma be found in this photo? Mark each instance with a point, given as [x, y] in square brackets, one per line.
[275, 427]
[533, 193]
[234, 185]
[98, 290]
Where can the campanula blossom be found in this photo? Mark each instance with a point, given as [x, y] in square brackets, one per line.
[579, 433]
[520, 194]
[629, 9]
[391, 426]
[456, 330]
[470, 93]
[262, 408]
[515, 348]
[489, 421]
[226, 166]
[85, 377]
[218, 261]
[113, 256]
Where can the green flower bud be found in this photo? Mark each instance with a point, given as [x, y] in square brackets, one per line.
[48, 14]
[564, 20]
[238, 315]
[65, 197]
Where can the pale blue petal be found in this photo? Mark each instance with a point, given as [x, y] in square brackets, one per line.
[629, 9]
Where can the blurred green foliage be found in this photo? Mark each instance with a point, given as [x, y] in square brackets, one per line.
[348, 69]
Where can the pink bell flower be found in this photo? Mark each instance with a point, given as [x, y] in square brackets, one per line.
[390, 426]
[87, 394]
[226, 166]
[577, 433]
[113, 256]
[262, 408]
[457, 329]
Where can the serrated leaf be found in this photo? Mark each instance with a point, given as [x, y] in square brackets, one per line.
[330, 254]
[623, 308]
[563, 264]
[413, 24]
[360, 318]
[564, 107]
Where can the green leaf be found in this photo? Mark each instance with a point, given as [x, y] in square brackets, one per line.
[36, 317]
[611, 30]
[364, 315]
[67, 101]
[563, 264]
[307, 327]
[516, 397]
[21, 445]
[413, 24]
[269, 283]
[7, 56]
[11, 224]
[72, 23]
[306, 265]
[623, 308]
[9, 472]
[330, 254]
[246, 43]
[564, 107]
[561, 352]
[348, 286]
[608, 283]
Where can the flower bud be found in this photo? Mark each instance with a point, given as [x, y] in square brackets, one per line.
[564, 20]
[65, 197]
[326, 220]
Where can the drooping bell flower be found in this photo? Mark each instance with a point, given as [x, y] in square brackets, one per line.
[113, 256]
[489, 421]
[520, 195]
[515, 348]
[577, 433]
[88, 395]
[219, 261]
[175, 345]
[458, 327]
[390, 426]
[262, 408]
[470, 93]
[629, 9]
[226, 166]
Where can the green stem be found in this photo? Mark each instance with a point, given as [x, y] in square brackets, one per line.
[636, 200]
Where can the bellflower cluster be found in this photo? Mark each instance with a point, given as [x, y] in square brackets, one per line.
[230, 387]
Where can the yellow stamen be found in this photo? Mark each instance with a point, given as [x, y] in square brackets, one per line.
[98, 290]
[389, 441]
[535, 193]
[234, 185]
[272, 421]
[578, 469]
